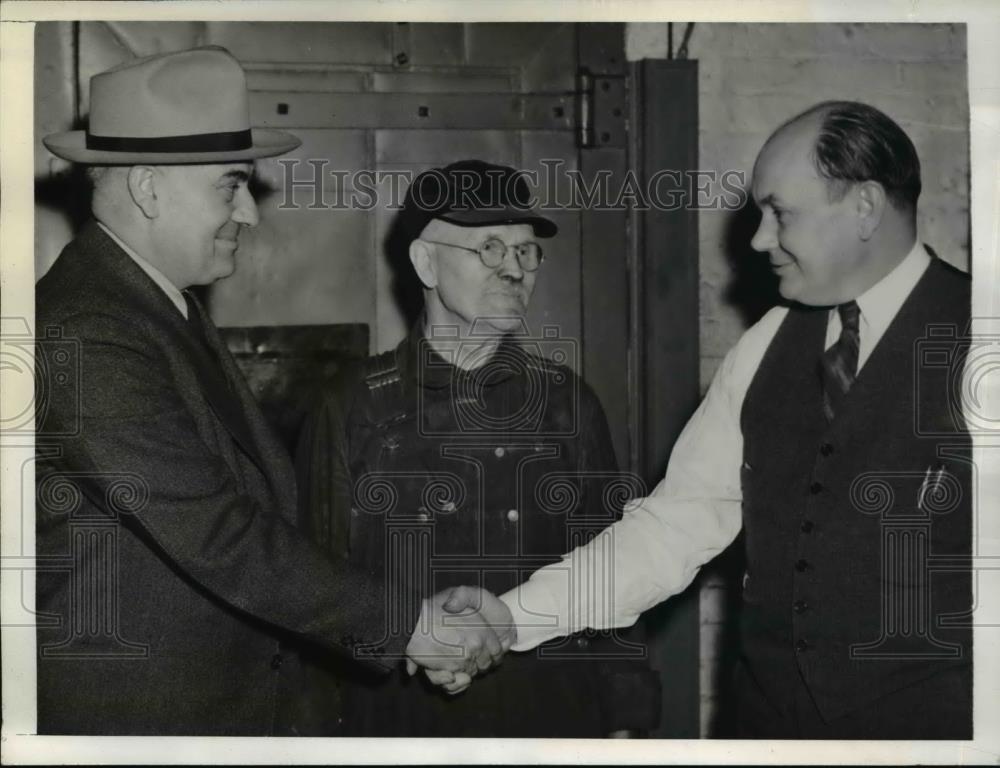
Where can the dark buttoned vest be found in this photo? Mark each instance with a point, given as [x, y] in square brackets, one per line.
[858, 530]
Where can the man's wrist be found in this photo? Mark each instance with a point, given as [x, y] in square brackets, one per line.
[530, 627]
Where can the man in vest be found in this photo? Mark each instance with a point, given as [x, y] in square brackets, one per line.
[172, 577]
[843, 457]
[466, 456]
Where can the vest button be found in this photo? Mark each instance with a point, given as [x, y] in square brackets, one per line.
[801, 565]
[512, 515]
[800, 606]
[499, 452]
[806, 526]
[276, 661]
[815, 488]
[802, 645]
[826, 449]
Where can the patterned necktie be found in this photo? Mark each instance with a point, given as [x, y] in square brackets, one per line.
[839, 364]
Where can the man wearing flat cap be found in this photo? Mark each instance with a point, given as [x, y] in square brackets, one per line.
[172, 576]
[466, 457]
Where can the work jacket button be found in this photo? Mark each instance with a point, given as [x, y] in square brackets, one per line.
[826, 449]
[801, 565]
[806, 526]
[815, 488]
[800, 606]
[802, 645]
[276, 661]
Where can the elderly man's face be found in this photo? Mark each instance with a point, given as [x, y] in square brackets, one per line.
[469, 290]
[202, 209]
[813, 243]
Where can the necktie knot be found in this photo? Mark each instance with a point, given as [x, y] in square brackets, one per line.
[194, 319]
[850, 316]
[839, 364]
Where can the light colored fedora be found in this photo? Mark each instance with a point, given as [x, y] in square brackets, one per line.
[170, 108]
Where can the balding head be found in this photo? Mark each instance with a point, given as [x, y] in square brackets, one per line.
[854, 142]
[837, 198]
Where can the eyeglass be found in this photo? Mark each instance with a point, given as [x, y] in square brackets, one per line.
[494, 250]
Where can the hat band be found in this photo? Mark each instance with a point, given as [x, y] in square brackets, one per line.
[229, 141]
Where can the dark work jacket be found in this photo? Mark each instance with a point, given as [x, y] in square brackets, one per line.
[849, 582]
[441, 477]
[170, 564]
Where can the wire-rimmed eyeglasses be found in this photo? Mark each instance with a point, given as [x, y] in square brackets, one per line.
[494, 250]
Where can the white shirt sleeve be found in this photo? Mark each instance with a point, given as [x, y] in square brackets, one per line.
[661, 542]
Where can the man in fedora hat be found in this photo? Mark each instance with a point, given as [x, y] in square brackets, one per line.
[495, 458]
[173, 579]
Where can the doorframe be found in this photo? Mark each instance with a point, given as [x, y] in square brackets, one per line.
[649, 298]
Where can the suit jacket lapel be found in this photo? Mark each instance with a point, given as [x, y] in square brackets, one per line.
[152, 302]
[218, 384]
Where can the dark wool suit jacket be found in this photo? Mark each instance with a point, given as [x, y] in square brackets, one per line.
[170, 564]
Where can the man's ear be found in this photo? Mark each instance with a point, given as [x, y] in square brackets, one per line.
[872, 201]
[142, 188]
[424, 263]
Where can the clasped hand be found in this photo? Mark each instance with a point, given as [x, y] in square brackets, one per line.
[461, 632]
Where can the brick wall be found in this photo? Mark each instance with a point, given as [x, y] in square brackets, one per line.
[751, 78]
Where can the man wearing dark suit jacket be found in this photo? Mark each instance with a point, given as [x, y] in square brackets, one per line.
[172, 579]
[839, 450]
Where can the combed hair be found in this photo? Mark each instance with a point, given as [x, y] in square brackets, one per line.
[856, 143]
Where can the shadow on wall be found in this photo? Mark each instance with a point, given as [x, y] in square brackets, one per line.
[753, 289]
[406, 287]
[67, 192]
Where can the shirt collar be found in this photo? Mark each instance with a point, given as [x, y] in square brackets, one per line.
[880, 303]
[173, 293]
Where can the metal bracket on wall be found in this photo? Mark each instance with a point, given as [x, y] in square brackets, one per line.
[463, 111]
[601, 109]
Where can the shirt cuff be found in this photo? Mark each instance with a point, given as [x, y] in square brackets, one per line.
[535, 614]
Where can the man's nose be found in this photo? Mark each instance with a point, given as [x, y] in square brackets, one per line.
[245, 208]
[765, 238]
[510, 267]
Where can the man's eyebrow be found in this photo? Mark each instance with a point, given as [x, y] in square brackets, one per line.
[235, 176]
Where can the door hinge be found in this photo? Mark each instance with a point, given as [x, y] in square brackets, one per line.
[602, 102]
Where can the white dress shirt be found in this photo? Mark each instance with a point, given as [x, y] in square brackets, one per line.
[695, 512]
[172, 291]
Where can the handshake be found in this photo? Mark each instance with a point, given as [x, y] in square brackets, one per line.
[461, 631]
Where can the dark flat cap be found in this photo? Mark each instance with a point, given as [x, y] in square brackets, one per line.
[471, 193]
